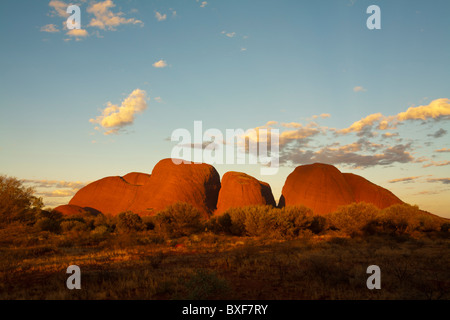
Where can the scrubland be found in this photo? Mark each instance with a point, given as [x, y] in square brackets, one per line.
[255, 252]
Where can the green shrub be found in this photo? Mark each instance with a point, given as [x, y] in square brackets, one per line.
[266, 221]
[220, 224]
[248, 221]
[129, 222]
[237, 218]
[260, 221]
[17, 202]
[47, 224]
[101, 231]
[445, 227]
[428, 223]
[354, 218]
[179, 219]
[400, 219]
[73, 225]
[318, 224]
[292, 221]
[149, 222]
[204, 285]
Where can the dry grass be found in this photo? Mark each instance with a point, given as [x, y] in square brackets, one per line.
[210, 266]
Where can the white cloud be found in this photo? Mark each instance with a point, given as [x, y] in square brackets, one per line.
[51, 28]
[160, 17]
[359, 89]
[437, 164]
[59, 8]
[203, 4]
[323, 116]
[436, 109]
[77, 33]
[407, 179]
[230, 34]
[57, 193]
[106, 19]
[362, 124]
[115, 117]
[160, 64]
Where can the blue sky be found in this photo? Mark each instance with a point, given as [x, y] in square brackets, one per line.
[231, 64]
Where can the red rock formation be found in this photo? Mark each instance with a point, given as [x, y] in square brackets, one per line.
[323, 188]
[319, 187]
[71, 210]
[366, 191]
[136, 178]
[111, 195]
[196, 184]
[240, 190]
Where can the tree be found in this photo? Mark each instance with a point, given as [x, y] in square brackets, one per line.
[17, 202]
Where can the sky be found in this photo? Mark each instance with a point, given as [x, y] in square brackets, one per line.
[104, 100]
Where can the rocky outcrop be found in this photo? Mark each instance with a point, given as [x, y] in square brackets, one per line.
[323, 188]
[240, 190]
[196, 184]
[137, 178]
[111, 195]
[366, 191]
[75, 211]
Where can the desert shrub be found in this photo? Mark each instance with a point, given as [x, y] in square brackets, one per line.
[259, 221]
[237, 218]
[220, 224]
[17, 202]
[248, 221]
[179, 219]
[354, 218]
[292, 220]
[47, 224]
[73, 225]
[149, 222]
[400, 219]
[318, 224]
[427, 223]
[266, 221]
[204, 285]
[101, 230]
[445, 227]
[156, 260]
[129, 222]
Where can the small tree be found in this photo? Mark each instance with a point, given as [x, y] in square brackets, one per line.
[17, 202]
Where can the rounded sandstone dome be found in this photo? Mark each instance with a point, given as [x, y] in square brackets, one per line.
[240, 190]
[320, 187]
[323, 188]
[144, 194]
